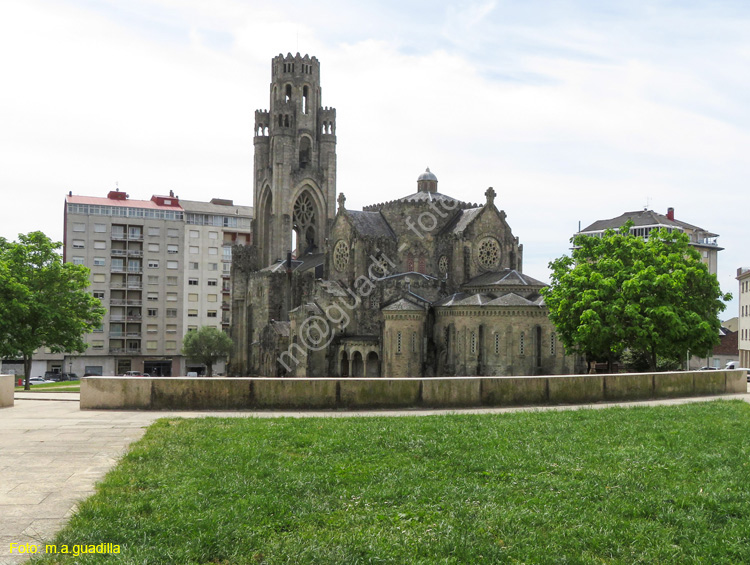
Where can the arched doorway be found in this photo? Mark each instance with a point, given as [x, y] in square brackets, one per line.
[357, 365]
[372, 370]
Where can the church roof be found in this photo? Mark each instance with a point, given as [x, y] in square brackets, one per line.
[511, 299]
[427, 175]
[428, 197]
[403, 304]
[370, 223]
[280, 328]
[304, 263]
[462, 220]
[505, 277]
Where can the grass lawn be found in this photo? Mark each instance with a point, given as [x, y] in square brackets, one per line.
[666, 484]
[64, 386]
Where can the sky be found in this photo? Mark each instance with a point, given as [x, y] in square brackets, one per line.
[574, 111]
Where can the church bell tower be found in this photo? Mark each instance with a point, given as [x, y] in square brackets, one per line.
[295, 163]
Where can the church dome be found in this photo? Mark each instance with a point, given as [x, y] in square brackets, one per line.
[427, 175]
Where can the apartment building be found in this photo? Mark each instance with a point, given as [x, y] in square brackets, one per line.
[158, 266]
[743, 327]
[644, 221]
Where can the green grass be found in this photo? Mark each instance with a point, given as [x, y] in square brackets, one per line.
[666, 484]
[64, 386]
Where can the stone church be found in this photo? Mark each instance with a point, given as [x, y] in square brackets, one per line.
[424, 285]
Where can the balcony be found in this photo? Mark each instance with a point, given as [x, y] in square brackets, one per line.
[122, 318]
[118, 252]
[128, 285]
[121, 302]
[123, 350]
[123, 335]
[135, 253]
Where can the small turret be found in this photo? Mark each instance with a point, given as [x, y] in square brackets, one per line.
[427, 181]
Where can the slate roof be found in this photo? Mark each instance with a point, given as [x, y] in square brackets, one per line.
[280, 328]
[370, 223]
[428, 197]
[505, 277]
[462, 220]
[461, 299]
[403, 304]
[639, 218]
[304, 263]
[512, 299]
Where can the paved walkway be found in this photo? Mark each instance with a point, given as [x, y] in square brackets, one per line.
[52, 454]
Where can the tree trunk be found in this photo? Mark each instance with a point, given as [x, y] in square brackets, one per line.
[26, 372]
[652, 360]
[209, 370]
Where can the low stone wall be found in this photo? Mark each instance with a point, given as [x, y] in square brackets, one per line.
[178, 393]
[7, 386]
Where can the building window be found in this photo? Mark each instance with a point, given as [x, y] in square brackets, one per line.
[213, 250]
[152, 328]
[211, 314]
[170, 344]
[194, 249]
[100, 277]
[414, 342]
[171, 312]
[195, 233]
[98, 294]
[173, 232]
[226, 268]
[213, 266]
[192, 298]
[153, 231]
[173, 265]
[171, 328]
[78, 260]
[152, 296]
[192, 328]
[172, 281]
[100, 245]
[153, 279]
[173, 249]
[99, 261]
[497, 344]
[521, 343]
[193, 282]
[153, 248]
[97, 344]
[398, 342]
[213, 235]
[78, 244]
[151, 345]
[193, 266]
[79, 227]
[192, 313]
[152, 312]
[171, 297]
[153, 264]
[212, 297]
[212, 282]
[473, 342]
[100, 228]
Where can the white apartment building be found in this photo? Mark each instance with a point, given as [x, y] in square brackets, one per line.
[743, 327]
[160, 267]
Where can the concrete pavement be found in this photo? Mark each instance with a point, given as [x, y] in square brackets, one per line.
[52, 454]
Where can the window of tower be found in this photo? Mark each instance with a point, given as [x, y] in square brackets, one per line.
[286, 120]
[288, 95]
[304, 100]
[304, 152]
[281, 120]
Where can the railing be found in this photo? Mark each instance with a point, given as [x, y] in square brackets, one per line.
[120, 318]
[131, 285]
[123, 302]
[118, 252]
[135, 253]
[120, 350]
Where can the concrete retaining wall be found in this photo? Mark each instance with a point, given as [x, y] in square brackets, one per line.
[7, 385]
[177, 393]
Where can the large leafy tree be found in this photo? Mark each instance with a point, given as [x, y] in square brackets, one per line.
[43, 301]
[618, 292]
[207, 345]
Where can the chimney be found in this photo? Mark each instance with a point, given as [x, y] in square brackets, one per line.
[670, 213]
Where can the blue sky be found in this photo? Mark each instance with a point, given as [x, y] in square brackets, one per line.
[573, 111]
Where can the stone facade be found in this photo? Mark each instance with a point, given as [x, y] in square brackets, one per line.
[425, 285]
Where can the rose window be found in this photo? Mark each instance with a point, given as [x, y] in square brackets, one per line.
[303, 211]
[341, 255]
[443, 264]
[488, 253]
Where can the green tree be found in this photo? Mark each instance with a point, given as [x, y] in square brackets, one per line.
[619, 292]
[207, 345]
[43, 301]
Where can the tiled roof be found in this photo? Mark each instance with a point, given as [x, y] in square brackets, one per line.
[462, 220]
[639, 218]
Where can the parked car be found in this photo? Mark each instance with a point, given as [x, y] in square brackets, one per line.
[38, 381]
[135, 374]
